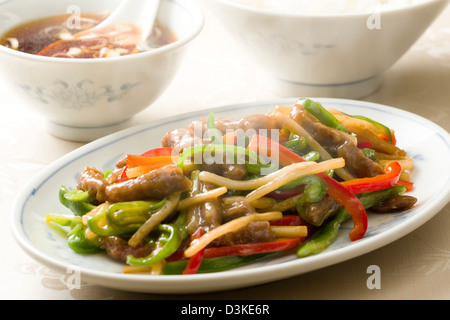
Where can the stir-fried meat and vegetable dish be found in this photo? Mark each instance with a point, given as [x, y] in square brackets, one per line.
[224, 193]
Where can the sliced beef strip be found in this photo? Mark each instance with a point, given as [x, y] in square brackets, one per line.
[338, 145]
[255, 232]
[395, 204]
[206, 215]
[92, 180]
[322, 210]
[235, 210]
[230, 171]
[155, 185]
[118, 249]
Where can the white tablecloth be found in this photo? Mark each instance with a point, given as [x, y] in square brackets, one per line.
[214, 73]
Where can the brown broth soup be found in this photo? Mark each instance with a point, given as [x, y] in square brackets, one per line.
[32, 37]
[53, 37]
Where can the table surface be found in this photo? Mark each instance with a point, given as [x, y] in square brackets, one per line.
[414, 267]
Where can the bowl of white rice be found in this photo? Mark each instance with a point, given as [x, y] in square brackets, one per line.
[327, 48]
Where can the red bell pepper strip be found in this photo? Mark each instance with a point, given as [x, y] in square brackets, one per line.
[123, 175]
[407, 184]
[158, 152]
[352, 205]
[335, 189]
[273, 150]
[280, 244]
[284, 136]
[134, 161]
[363, 145]
[144, 159]
[380, 182]
[194, 263]
[253, 248]
[230, 138]
[288, 220]
[196, 260]
[394, 138]
[389, 137]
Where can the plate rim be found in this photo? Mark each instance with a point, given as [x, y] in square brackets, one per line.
[279, 270]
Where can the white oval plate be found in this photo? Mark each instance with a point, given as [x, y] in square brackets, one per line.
[426, 142]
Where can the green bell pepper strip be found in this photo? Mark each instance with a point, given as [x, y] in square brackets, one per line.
[329, 173]
[133, 212]
[311, 156]
[315, 191]
[240, 154]
[214, 133]
[169, 241]
[76, 237]
[99, 225]
[294, 184]
[330, 231]
[369, 153]
[295, 143]
[328, 234]
[167, 244]
[58, 222]
[122, 217]
[78, 242]
[322, 114]
[78, 201]
[217, 264]
[371, 199]
[107, 173]
[378, 125]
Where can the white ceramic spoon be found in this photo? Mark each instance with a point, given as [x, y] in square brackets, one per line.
[141, 13]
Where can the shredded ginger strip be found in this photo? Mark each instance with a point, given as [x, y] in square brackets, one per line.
[202, 197]
[264, 185]
[292, 172]
[169, 206]
[304, 168]
[290, 231]
[228, 227]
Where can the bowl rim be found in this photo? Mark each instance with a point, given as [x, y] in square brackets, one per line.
[267, 12]
[187, 5]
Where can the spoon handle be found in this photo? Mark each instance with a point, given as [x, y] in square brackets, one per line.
[141, 13]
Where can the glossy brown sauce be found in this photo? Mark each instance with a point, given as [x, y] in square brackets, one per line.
[53, 34]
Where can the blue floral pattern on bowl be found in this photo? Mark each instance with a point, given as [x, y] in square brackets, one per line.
[83, 94]
[280, 43]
